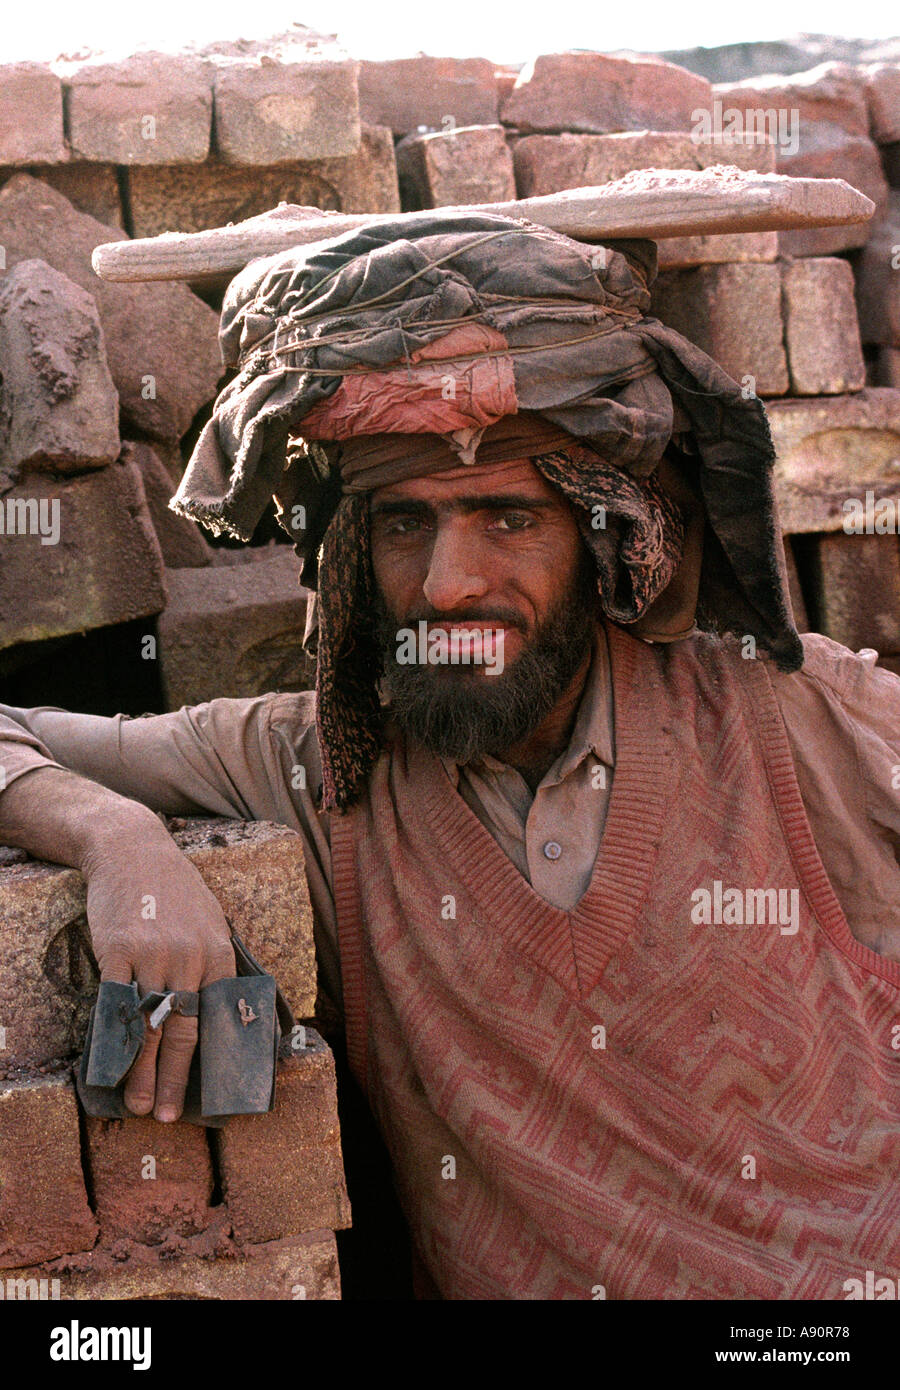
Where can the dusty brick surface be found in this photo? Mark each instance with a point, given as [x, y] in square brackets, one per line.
[257, 873]
[194, 199]
[830, 449]
[234, 631]
[283, 1172]
[472, 164]
[47, 978]
[834, 93]
[31, 88]
[406, 93]
[91, 188]
[181, 540]
[58, 405]
[733, 312]
[302, 1267]
[883, 92]
[595, 92]
[821, 330]
[44, 1209]
[161, 340]
[857, 590]
[104, 567]
[151, 108]
[150, 1182]
[294, 103]
[878, 280]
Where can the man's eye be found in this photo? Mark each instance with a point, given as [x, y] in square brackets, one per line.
[403, 525]
[513, 521]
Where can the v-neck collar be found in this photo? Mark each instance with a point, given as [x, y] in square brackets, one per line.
[573, 946]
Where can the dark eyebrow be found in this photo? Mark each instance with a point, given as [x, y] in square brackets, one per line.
[487, 502]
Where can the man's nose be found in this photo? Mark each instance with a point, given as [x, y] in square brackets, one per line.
[455, 574]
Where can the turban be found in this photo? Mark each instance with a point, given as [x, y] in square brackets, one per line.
[416, 346]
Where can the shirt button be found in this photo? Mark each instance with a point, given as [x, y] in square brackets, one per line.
[552, 850]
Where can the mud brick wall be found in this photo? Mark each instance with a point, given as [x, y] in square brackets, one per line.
[105, 386]
[109, 601]
[132, 1208]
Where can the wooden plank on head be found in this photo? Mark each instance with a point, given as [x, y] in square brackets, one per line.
[651, 203]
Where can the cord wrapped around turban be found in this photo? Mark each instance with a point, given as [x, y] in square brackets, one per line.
[446, 339]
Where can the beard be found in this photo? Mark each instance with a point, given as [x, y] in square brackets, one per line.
[461, 713]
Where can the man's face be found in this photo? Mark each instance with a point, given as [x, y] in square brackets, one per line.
[494, 551]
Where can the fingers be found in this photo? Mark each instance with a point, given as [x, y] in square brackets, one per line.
[140, 1084]
[179, 1038]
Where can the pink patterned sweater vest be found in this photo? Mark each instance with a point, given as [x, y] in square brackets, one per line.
[625, 1100]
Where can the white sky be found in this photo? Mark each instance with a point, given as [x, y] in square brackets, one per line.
[511, 31]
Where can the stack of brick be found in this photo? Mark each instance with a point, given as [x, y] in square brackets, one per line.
[193, 140]
[132, 1208]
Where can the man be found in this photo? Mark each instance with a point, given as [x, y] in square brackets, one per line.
[603, 860]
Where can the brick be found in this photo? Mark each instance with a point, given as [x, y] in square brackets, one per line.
[257, 872]
[193, 200]
[234, 631]
[159, 337]
[830, 449]
[829, 152]
[595, 92]
[31, 88]
[407, 93]
[293, 102]
[181, 540]
[472, 164]
[44, 1208]
[733, 312]
[48, 980]
[551, 163]
[58, 405]
[883, 93]
[102, 565]
[151, 108]
[831, 92]
[878, 280]
[91, 188]
[821, 329]
[887, 370]
[150, 1182]
[305, 1266]
[300, 1185]
[856, 581]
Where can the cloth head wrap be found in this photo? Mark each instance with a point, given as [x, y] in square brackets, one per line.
[414, 347]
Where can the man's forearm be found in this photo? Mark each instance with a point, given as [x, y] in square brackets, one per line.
[61, 817]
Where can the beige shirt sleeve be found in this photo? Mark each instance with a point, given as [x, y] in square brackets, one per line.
[250, 759]
[842, 715]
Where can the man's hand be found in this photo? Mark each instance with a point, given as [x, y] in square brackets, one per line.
[153, 920]
[151, 916]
